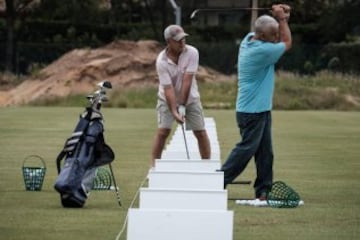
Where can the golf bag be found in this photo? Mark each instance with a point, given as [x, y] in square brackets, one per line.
[83, 152]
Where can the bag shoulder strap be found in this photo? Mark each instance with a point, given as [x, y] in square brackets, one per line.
[58, 160]
[78, 133]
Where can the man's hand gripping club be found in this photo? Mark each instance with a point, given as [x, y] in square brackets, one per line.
[182, 113]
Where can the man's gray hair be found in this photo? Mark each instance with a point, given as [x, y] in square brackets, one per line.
[264, 22]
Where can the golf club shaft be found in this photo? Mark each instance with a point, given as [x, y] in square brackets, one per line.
[186, 146]
[193, 14]
[115, 185]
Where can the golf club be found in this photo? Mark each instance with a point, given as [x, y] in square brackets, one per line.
[115, 185]
[196, 11]
[100, 95]
[186, 146]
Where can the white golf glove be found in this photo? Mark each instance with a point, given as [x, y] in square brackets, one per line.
[182, 110]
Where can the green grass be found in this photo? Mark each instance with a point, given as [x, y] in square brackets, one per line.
[316, 153]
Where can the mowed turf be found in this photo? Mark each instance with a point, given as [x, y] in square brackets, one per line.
[316, 152]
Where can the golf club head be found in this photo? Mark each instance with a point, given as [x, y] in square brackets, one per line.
[193, 14]
[90, 98]
[100, 92]
[105, 84]
[99, 95]
[104, 98]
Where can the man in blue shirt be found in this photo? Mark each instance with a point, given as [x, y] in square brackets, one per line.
[258, 53]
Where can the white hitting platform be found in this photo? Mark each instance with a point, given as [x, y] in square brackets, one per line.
[176, 154]
[185, 198]
[186, 179]
[171, 224]
[188, 165]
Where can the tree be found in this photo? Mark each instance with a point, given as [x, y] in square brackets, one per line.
[340, 22]
[76, 11]
[10, 24]
[14, 9]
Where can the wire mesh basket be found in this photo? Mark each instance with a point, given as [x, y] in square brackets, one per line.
[33, 175]
[102, 180]
[282, 196]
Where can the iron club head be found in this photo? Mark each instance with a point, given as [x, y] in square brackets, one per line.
[105, 84]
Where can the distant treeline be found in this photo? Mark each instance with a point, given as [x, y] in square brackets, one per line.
[325, 35]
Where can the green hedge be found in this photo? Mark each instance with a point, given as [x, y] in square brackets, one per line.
[344, 57]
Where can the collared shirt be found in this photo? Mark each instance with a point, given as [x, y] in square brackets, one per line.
[256, 75]
[172, 73]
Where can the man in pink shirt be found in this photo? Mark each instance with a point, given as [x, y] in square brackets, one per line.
[178, 95]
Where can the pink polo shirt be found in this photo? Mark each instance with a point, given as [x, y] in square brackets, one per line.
[171, 73]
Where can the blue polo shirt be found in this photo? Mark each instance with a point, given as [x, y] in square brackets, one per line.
[256, 75]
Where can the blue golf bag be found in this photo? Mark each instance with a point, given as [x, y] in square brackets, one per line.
[83, 152]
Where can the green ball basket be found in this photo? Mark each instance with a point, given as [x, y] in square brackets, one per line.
[33, 175]
[102, 180]
[282, 196]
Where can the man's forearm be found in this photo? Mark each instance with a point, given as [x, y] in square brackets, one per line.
[285, 33]
[185, 89]
[170, 98]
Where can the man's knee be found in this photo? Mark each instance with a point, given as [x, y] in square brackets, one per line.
[163, 133]
[201, 135]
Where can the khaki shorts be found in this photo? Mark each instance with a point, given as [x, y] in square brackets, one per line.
[194, 119]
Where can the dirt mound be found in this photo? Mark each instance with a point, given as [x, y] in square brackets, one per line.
[123, 63]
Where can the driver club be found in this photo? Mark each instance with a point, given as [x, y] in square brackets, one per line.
[196, 11]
